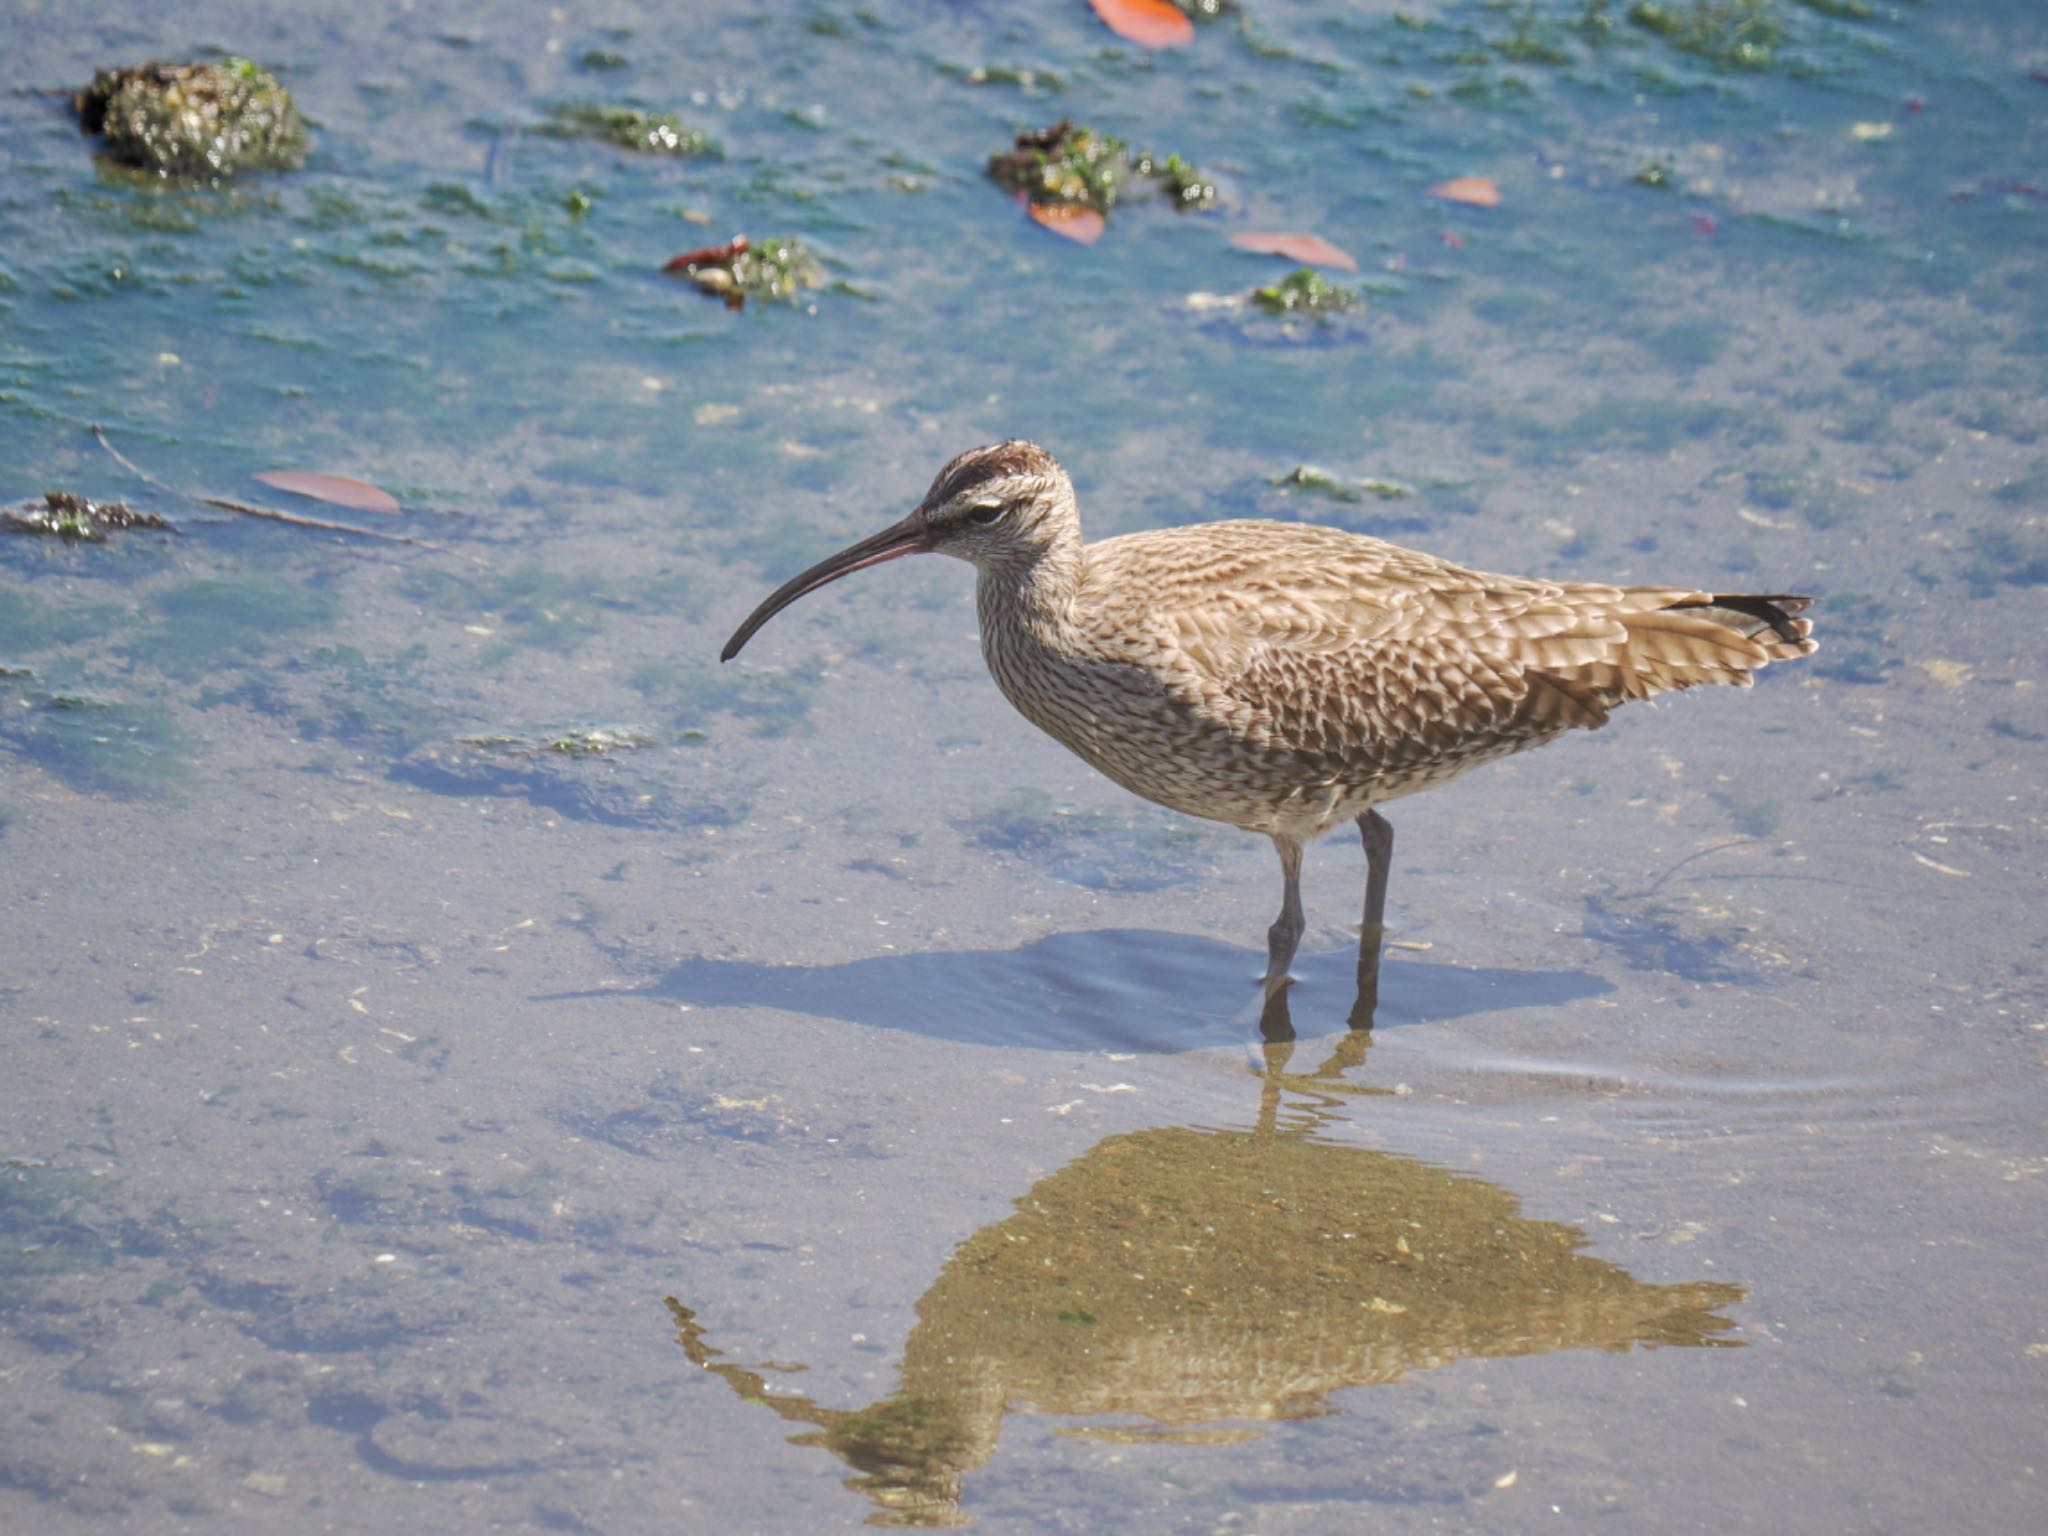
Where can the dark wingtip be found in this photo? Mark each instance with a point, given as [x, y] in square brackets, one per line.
[1778, 611]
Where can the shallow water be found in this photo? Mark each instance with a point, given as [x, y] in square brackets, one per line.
[845, 1106]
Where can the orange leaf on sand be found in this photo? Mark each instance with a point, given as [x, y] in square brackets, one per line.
[338, 489]
[1475, 190]
[1080, 224]
[1310, 250]
[1148, 23]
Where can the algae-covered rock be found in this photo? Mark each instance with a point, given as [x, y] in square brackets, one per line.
[63, 515]
[1070, 165]
[1066, 164]
[633, 128]
[1183, 185]
[742, 269]
[194, 122]
[1304, 291]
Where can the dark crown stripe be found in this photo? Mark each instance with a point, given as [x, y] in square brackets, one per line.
[979, 466]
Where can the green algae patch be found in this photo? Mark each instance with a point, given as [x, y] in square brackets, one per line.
[778, 268]
[1305, 291]
[579, 741]
[1307, 477]
[96, 744]
[194, 122]
[1072, 166]
[213, 623]
[1730, 34]
[1527, 41]
[49, 1225]
[1022, 77]
[630, 128]
[598, 741]
[74, 519]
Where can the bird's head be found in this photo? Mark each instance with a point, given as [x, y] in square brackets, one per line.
[1006, 503]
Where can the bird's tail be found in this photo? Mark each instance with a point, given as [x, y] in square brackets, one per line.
[1672, 640]
[1709, 638]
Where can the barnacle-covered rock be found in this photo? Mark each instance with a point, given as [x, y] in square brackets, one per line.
[194, 122]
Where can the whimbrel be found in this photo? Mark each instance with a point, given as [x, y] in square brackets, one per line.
[1285, 678]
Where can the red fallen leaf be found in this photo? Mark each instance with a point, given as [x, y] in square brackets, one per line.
[707, 256]
[1704, 223]
[1453, 239]
[1915, 105]
[1474, 190]
[1310, 250]
[1148, 23]
[338, 489]
[1076, 223]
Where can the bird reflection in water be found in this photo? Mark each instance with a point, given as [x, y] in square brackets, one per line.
[1212, 1280]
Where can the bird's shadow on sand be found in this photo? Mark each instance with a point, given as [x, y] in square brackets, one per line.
[1119, 989]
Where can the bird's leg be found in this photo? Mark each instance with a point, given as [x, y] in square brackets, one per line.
[1285, 934]
[1378, 835]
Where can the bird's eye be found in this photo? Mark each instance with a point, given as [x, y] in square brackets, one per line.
[986, 512]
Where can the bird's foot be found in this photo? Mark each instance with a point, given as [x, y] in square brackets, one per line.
[1276, 1027]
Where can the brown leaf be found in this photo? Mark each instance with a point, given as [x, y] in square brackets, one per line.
[1148, 23]
[1475, 190]
[1071, 220]
[707, 256]
[337, 489]
[1310, 250]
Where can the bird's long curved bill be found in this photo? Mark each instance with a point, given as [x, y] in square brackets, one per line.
[905, 538]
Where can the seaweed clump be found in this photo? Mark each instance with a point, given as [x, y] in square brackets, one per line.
[194, 122]
[633, 128]
[743, 269]
[65, 515]
[1076, 166]
[1304, 291]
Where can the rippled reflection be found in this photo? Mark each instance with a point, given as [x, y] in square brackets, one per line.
[1200, 1278]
